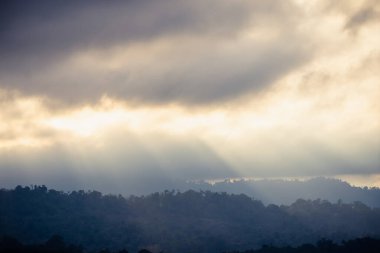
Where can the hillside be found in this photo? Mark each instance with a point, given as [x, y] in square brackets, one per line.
[177, 221]
[285, 192]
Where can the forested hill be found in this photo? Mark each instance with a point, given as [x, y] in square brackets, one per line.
[177, 222]
[56, 244]
[285, 192]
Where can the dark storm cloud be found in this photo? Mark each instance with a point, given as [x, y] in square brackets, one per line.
[37, 37]
[35, 27]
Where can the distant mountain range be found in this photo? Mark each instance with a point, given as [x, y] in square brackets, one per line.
[285, 192]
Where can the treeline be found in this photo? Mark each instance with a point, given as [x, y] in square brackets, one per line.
[362, 245]
[56, 245]
[285, 192]
[174, 221]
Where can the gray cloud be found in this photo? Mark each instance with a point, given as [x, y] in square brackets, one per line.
[361, 17]
[42, 31]
[43, 25]
[206, 77]
[356, 15]
[37, 39]
[46, 27]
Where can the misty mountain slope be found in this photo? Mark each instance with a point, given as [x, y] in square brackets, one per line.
[285, 192]
[177, 222]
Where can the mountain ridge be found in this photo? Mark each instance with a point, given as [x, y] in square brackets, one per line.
[175, 221]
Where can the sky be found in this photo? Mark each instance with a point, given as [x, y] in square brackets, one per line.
[134, 95]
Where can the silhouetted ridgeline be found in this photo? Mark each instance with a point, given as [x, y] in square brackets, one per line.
[285, 192]
[177, 222]
[360, 245]
[56, 245]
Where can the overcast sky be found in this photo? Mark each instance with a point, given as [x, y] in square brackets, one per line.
[134, 94]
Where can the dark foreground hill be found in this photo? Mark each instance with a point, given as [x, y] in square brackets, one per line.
[177, 222]
[56, 244]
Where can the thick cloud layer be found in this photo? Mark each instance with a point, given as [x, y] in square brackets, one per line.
[160, 51]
